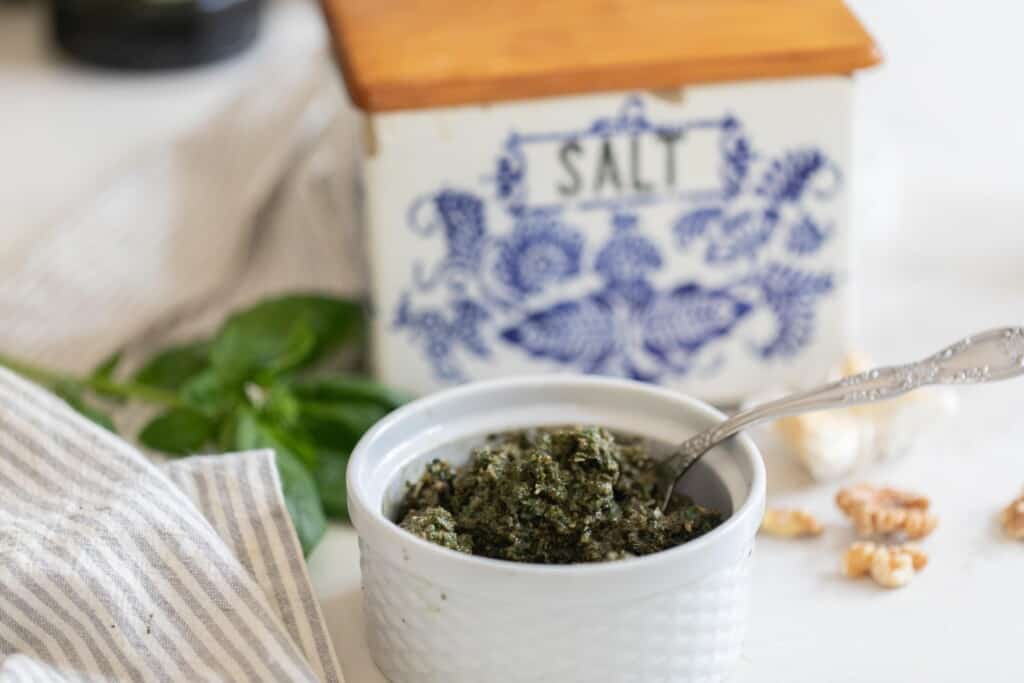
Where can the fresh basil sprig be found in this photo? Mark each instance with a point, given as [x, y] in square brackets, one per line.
[254, 384]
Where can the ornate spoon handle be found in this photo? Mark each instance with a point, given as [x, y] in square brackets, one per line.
[986, 357]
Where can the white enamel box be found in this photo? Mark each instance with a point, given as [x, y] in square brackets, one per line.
[694, 235]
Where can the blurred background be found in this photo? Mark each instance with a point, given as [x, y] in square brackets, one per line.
[136, 201]
[109, 178]
[137, 207]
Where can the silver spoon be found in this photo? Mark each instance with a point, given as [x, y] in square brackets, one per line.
[986, 357]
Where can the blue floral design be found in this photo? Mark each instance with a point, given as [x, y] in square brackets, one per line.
[460, 216]
[734, 235]
[503, 279]
[629, 119]
[742, 236]
[792, 295]
[508, 177]
[737, 158]
[625, 262]
[463, 216]
[539, 252]
[581, 333]
[806, 236]
[441, 334]
[788, 177]
[627, 256]
[689, 317]
[695, 224]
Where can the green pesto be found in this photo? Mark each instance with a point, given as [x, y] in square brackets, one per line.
[552, 496]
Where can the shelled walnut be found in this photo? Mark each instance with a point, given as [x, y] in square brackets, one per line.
[889, 566]
[1013, 518]
[880, 511]
[857, 559]
[790, 523]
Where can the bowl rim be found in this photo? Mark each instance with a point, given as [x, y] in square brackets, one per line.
[369, 520]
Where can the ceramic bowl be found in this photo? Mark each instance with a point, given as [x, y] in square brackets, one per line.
[434, 614]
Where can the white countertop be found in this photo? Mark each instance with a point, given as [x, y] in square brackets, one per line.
[940, 242]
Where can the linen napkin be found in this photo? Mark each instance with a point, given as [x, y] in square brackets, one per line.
[259, 199]
[115, 569]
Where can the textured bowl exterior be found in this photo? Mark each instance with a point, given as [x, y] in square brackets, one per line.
[437, 615]
[421, 632]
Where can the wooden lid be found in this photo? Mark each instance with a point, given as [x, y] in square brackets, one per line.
[407, 54]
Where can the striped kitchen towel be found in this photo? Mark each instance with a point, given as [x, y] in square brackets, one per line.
[115, 569]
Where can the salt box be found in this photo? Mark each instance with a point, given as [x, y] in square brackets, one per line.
[654, 189]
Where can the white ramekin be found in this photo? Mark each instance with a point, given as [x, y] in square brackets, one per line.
[434, 614]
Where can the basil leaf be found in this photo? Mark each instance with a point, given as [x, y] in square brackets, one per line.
[172, 368]
[297, 484]
[108, 365]
[252, 432]
[347, 388]
[178, 431]
[302, 500]
[330, 483]
[281, 407]
[105, 370]
[339, 425]
[239, 354]
[226, 433]
[73, 396]
[206, 393]
[100, 417]
[283, 334]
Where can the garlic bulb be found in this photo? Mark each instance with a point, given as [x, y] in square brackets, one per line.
[833, 443]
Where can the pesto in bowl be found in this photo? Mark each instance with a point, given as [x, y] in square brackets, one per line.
[555, 495]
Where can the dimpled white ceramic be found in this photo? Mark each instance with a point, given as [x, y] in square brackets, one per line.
[436, 615]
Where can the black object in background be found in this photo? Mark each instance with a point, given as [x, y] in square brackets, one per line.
[155, 34]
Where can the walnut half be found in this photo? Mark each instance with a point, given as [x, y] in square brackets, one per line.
[889, 566]
[790, 523]
[1013, 518]
[880, 511]
[857, 560]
